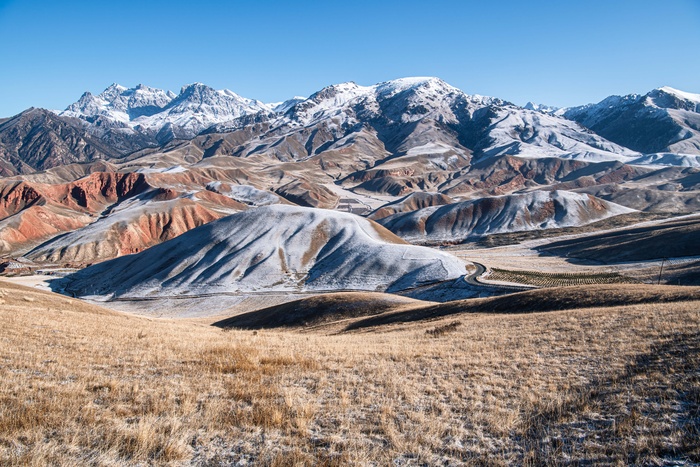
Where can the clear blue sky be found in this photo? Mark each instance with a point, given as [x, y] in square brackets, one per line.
[555, 52]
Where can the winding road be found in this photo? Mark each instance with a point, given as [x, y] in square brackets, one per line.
[471, 278]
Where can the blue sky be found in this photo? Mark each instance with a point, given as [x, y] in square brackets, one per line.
[555, 52]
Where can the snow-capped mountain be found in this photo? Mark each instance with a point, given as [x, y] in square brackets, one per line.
[162, 115]
[372, 133]
[120, 103]
[548, 109]
[207, 153]
[663, 120]
[402, 100]
[414, 117]
[417, 116]
[420, 117]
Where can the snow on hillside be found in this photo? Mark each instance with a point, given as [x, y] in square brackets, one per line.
[663, 120]
[534, 134]
[271, 248]
[245, 194]
[687, 96]
[500, 214]
[490, 125]
[404, 100]
[426, 116]
[668, 159]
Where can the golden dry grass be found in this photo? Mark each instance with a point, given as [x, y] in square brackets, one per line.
[606, 385]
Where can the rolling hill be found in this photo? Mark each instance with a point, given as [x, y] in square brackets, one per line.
[271, 248]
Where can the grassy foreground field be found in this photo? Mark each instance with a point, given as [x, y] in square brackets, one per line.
[604, 385]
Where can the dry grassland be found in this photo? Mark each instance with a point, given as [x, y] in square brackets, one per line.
[604, 385]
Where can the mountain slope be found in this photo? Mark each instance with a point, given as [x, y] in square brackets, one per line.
[132, 228]
[270, 248]
[37, 139]
[428, 117]
[663, 120]
[103, 215]
[513, 213]
[345, 147]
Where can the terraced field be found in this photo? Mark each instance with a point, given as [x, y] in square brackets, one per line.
[544, 279]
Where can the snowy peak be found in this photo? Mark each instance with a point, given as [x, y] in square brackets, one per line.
[682, 94]
[283, 107]
[669, 98]
[112, 92]
[88, 104]
[420, 85]
[404, 100]
[664, 97]
[122, 103]
[201, 98]
[548, 109]
[162, 115]
[487, 126]
[141, 100]
[329, 101]
[663, 120]
[339, 94]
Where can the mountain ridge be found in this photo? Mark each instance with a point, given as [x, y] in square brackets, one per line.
[347, 147]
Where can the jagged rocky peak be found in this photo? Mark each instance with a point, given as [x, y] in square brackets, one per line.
[135, 101]
[548, 109]
[88, 104]
[142, 97]
[224, 102]
[339, 94]
[112, 91]
[197, 90]
[669, 98]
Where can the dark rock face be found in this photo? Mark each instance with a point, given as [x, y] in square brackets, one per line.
[37, 140]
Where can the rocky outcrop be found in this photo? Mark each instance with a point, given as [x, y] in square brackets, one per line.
[100, 216]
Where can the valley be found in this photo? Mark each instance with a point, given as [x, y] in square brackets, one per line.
[400, 273]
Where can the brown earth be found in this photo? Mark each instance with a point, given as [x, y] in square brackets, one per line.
[37, 212]
[412, 202]
[611, 385]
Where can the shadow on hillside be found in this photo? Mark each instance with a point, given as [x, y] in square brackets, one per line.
[541, 300]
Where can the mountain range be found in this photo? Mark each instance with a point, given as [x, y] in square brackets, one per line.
[119, 172]
[404, 117]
